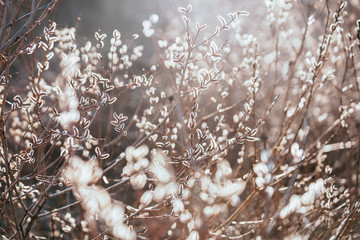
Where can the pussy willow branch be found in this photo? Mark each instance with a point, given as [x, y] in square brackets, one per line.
[3, 15]
[335, 127]
[23, 38]
[124, 180]
[195, 161]
[109, 168]
[352, 55]
[321, 57]
[254, 192]
[210, 115]
[315, 74]
[142, 140]
[179, 111]
[290, 77]
[13, 21]
[24, 16]
[106, 189]
[244, 204]
[236, 213]
[346, 68]
[215, 34]
[345, 223]
[8, 174]
[116, 140]
[124, 221]
[37, 22]
[120, 158]
[33, 10]
[35, 211]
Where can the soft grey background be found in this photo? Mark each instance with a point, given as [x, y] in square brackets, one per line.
[127, 15]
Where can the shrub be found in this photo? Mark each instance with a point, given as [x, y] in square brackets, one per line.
[222, 135]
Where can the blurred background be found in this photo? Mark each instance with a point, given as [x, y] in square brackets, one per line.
[89, 16]
[127, 15]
